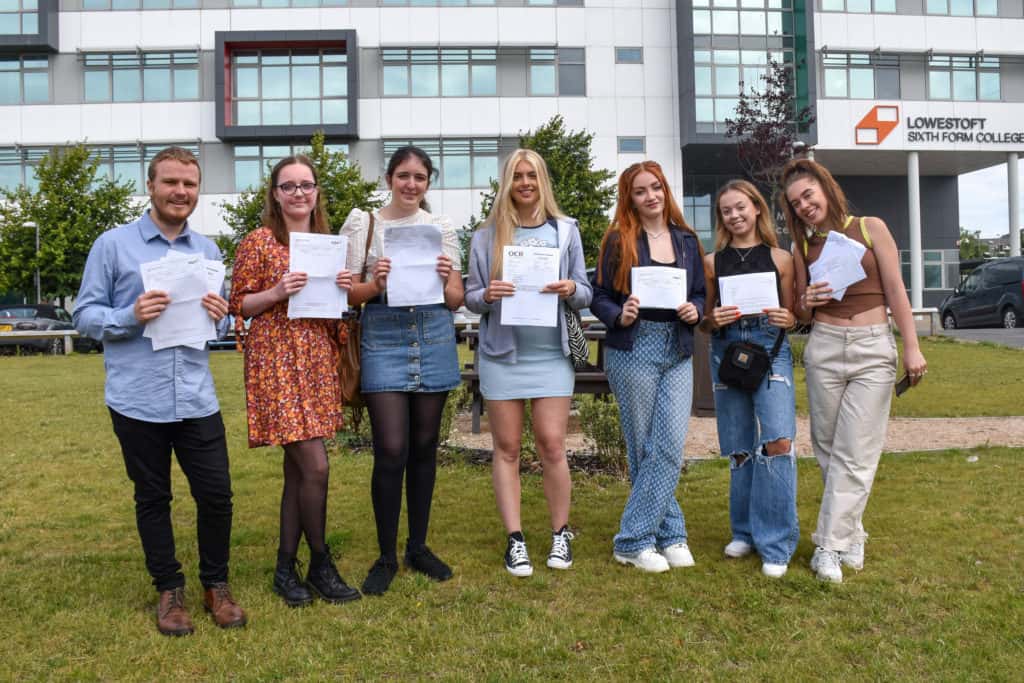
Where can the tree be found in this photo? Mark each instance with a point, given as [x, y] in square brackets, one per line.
[971, 246]
[766, 124]
[341, 184]
[73, 205]
[581, 191]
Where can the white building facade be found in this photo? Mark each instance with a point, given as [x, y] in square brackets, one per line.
[245, 82]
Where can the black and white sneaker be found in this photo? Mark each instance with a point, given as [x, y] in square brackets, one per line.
[517, 560]
[560, 556]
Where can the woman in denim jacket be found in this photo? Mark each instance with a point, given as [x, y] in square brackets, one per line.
[517, 363]
[755, 429]
[647, 359]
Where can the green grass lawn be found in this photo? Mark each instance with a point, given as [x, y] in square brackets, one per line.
[941, 597]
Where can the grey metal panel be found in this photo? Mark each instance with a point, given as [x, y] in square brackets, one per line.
[886, 197]
[512, 70]
[1011, 81]
[207, 68]
[369, 72]
[911, 7]
[66, 80]
[913, 79]
[1012, 9]
[218, 162]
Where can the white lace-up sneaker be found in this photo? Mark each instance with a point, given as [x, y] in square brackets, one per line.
[774, 571]
[737, 548]
[854, 557]
[648, 559]
[825, 565]
[678, 555]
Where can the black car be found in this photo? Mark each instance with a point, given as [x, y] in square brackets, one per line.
[40, 317]
[991, 296]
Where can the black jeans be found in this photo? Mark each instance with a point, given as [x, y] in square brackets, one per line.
[202, 453]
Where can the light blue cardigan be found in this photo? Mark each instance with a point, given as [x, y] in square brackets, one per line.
[497, 340]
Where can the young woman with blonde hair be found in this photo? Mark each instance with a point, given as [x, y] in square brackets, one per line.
[850, 357]
[520, 363]
[648, 361]
[755, 428]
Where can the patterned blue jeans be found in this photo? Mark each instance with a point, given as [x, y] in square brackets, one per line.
[653, 385]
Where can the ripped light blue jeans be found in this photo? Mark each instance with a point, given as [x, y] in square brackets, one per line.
[762, 488]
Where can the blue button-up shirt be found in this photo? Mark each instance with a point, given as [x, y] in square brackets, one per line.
[156, 386]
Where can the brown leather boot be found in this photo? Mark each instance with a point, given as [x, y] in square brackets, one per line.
[172, 618]
[226, 612]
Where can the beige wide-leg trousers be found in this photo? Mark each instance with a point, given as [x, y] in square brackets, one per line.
[850, 377]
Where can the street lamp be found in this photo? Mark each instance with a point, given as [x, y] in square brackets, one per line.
[30, 225]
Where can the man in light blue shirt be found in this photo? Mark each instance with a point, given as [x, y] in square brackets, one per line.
[163, 400]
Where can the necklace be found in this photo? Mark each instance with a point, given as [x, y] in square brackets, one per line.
[654, 236]
[744, 254]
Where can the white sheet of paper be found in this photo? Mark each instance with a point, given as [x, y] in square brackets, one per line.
[839, 264]
[184, 322]
[321, 258]
[215, 271]
[413, 250]
[659, 286]
[751, 292]
[530, 269]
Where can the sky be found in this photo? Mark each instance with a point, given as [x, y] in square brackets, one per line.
[983, 202]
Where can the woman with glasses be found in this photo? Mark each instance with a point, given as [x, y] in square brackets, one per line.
[293, 397]
[648, 360]
[409, 363]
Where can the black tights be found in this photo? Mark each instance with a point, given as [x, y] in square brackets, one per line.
[304, 498]
[405, 431]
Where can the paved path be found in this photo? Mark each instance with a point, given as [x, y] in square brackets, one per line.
[904, 434]
[1013, 338]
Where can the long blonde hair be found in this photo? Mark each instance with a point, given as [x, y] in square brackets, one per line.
[503, 216]
[763, 225]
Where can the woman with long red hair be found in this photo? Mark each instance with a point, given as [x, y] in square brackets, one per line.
[647, 360]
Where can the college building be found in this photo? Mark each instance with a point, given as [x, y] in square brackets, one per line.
[908, 94]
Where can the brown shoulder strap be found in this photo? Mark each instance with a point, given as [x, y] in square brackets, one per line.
[366, 251]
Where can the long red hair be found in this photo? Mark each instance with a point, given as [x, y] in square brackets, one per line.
[624, 231]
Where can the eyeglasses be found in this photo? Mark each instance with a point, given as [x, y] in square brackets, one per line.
[293, 188]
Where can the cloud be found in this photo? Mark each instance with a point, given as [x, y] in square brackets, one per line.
[983, 201]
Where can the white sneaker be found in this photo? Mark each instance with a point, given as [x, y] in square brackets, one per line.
[737, 548]
[647, 559]
[825, 565]
[678, 555]
[854, 557]
[774, 571]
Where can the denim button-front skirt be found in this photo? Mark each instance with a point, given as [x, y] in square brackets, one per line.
[408, 349]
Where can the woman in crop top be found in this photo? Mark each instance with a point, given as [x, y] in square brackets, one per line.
[648, 361]
[850, 357]
[755, 429]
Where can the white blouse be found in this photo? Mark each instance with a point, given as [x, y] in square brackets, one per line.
[357, 225]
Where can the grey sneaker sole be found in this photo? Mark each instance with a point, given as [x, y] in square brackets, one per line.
[521, 572]
[556, 563]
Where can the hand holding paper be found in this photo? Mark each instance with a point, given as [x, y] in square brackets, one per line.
[413, 279]
[659, 286]
[839, 263]
[530, 270]
[317, 259]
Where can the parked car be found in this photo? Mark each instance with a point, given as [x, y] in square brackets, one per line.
[991, 296]
[40, 317]
[228, 342]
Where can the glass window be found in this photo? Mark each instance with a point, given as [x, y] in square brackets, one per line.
[542, 72]
[988, 85]
[835, 83]
[936, 7]
[752, 23]
[832, 5]
[280, 87]
[963, 78]
[450, 72]
[25, 79]
[961, 8]
[862, 84]
[629, 55]
[463, 163]
[19, 17]
[134, 77]
[986, 8]
[632, 145]
[964, 86]
[701, 22]
[725, 22]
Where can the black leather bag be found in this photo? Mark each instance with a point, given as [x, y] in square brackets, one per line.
[745, 364]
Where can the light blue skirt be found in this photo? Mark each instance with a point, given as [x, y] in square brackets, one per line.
[540, 370]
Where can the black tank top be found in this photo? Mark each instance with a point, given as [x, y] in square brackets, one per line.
[736, 261]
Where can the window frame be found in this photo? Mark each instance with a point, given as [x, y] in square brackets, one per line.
[112, 63]
[441, 148]
[951, 65]
[406, 58]
[23, 71]
[265, 161]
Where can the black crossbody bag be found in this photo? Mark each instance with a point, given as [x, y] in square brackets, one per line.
[745, 364]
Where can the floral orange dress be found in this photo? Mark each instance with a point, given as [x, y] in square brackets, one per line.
[291, 379]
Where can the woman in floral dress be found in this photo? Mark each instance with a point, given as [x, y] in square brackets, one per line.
[292, 393]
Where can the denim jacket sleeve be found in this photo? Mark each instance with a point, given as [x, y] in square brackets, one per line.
[479, 272]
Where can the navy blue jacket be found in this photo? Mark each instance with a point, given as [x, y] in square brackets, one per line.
[607, 302]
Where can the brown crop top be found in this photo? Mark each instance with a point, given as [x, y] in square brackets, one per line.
[861, 296]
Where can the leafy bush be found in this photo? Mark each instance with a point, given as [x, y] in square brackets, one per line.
[599, 419]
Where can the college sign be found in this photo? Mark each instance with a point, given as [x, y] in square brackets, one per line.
[932, 126]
